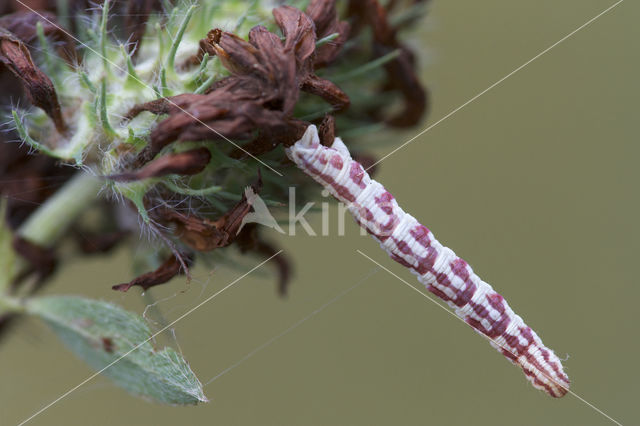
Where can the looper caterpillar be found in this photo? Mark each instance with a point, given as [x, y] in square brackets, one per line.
[437, 267]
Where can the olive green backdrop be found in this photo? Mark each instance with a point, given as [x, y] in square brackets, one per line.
[535, 184]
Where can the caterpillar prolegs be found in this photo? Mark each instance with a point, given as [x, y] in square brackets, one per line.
[437, 267]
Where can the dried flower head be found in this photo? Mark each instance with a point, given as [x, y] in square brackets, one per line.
[171, 121]
[163, 120]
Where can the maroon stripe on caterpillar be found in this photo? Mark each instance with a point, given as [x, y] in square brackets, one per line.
[437, 267]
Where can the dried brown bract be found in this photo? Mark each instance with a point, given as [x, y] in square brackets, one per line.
[255, 104]
[39, 88]
[220, 114]
[299, 32]
[171, 267]
[325, 17]
[269, 139]
[259, 96]
[189, 162]
[327, 91]
[202, 234]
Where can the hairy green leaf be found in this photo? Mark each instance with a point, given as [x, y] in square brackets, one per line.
[110, 338]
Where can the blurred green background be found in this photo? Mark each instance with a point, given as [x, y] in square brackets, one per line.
[534, 183]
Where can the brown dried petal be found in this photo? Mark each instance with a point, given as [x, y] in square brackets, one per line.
[299, 32]
[268, 139]
[199, 233]
[163, 105]
[325, 17]
[264, 58]
[176, 126]
[202, 234]
[157, 106]
[294, 131]
[231, 120]
[183, 163]
[280, 74]
[236, 54]
[327, 90]
[263, 143]
[263, 39]
[40, 90]
[169, 269]
[328, 52]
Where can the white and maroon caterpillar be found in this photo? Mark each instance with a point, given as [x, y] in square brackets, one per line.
[437, 267]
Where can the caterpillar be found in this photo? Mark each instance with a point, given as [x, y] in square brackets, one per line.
[437, 267]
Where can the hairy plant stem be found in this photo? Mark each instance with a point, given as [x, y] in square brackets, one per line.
[51, 221]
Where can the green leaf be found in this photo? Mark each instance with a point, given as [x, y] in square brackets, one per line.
[106, 336]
